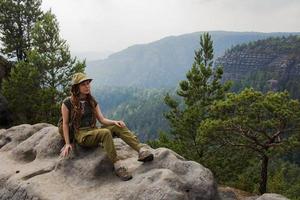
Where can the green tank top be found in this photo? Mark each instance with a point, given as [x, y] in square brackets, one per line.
[86, 111]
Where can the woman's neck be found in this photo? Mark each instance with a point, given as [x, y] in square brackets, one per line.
[82, 96]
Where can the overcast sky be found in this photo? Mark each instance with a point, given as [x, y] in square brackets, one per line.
[112, 25]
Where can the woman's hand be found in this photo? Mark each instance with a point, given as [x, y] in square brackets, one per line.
[120, 124]
[64, 152]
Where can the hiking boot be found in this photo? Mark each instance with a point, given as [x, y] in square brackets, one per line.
[145, 155]
[123, 173]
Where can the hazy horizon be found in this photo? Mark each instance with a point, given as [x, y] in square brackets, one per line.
[113, 25]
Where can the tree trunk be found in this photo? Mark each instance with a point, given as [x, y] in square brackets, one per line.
[264, 175]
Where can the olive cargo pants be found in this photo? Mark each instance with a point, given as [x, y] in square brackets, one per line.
[94, 136]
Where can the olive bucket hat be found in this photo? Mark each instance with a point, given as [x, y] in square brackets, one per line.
[79, 78]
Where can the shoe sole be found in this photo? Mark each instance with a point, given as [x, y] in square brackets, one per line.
[147, 159]
[124, 178]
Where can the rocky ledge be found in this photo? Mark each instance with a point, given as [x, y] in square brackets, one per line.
[31, 169]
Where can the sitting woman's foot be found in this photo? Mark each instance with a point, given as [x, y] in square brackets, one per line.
[145, 155]
[122, 172]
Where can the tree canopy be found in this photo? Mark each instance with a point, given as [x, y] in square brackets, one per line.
[17, 18]
[38, 84]
[265, 124]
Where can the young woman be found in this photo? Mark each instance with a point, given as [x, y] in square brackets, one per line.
[83, 110]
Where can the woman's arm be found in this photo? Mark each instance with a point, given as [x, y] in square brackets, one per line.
[100, 117]
[65, 115]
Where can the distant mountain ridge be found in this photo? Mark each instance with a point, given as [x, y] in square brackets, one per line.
[162, 63]
[91, 55]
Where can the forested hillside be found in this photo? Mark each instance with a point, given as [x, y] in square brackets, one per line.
[141, 109]
[270, 64]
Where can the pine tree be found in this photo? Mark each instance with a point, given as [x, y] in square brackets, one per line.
[56, 66]
[17, 17]
[202, 87]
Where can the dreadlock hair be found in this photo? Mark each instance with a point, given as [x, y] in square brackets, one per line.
[76, 111]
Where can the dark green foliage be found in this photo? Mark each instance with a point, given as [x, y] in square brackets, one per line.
[5, 67]
[267, 125]
[285, 179]
[17, 18]
[36, 97]
[22, 92]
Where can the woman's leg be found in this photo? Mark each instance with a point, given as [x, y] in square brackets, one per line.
[126, 135]
[103, 135]
[96, 136]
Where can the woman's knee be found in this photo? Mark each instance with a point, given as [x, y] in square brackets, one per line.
[117, 129]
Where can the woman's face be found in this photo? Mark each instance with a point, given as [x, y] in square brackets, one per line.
[84, 87]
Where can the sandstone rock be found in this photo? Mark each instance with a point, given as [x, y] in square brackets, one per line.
[17, 134]
[228, 195]
[271, 196]
[31, 169]
[236, 194]
[251, 198]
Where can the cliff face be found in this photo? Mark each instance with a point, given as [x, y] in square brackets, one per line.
[238, 64]
[271, 64]
[31, 169]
